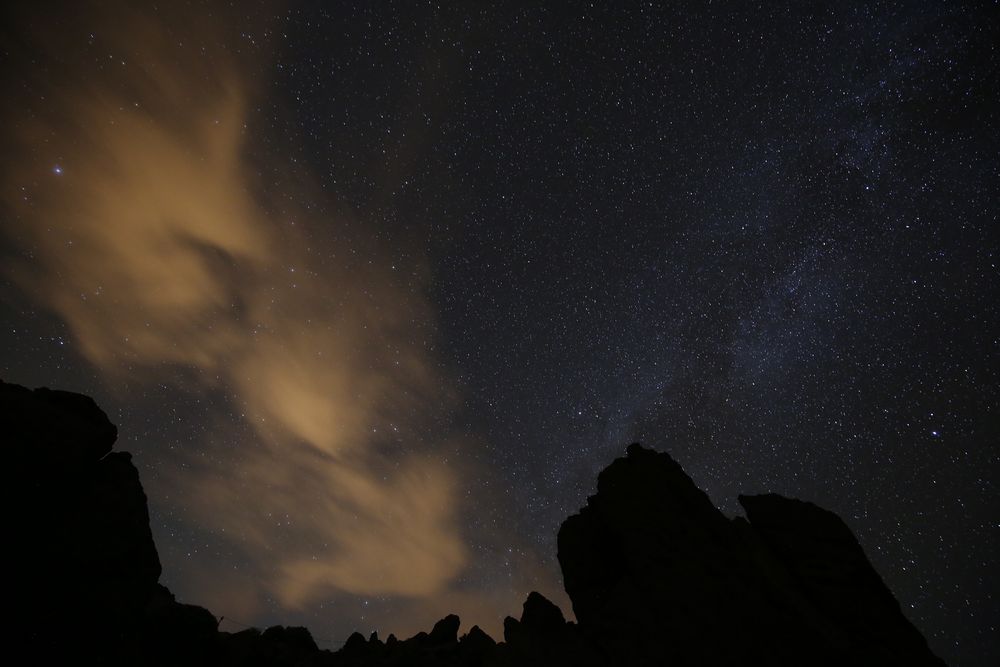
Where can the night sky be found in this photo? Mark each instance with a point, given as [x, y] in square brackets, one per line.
[373, 292]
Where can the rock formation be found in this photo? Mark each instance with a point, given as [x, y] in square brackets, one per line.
[85, 565]
[656, 574]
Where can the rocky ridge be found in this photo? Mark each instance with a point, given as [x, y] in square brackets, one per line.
[656, 574]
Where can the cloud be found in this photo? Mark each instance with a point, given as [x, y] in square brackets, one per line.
[156, 243]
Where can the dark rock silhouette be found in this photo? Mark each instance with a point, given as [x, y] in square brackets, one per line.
[83, 556]
[824, 558]
[656, 574]
[654, 570]
[543, 637]
[445, 631]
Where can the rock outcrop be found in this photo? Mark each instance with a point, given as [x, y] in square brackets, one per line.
[85, 565]
[543, 637]
[656, 574]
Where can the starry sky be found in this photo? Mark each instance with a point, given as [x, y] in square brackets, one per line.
[374, 290]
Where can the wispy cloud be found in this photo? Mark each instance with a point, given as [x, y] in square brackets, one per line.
[139, 220]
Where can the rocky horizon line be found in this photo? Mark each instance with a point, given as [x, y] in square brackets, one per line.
[655, 572]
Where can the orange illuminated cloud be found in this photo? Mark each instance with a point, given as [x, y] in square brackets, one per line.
[154, 242]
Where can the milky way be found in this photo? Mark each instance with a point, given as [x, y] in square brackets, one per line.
[373, 293]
